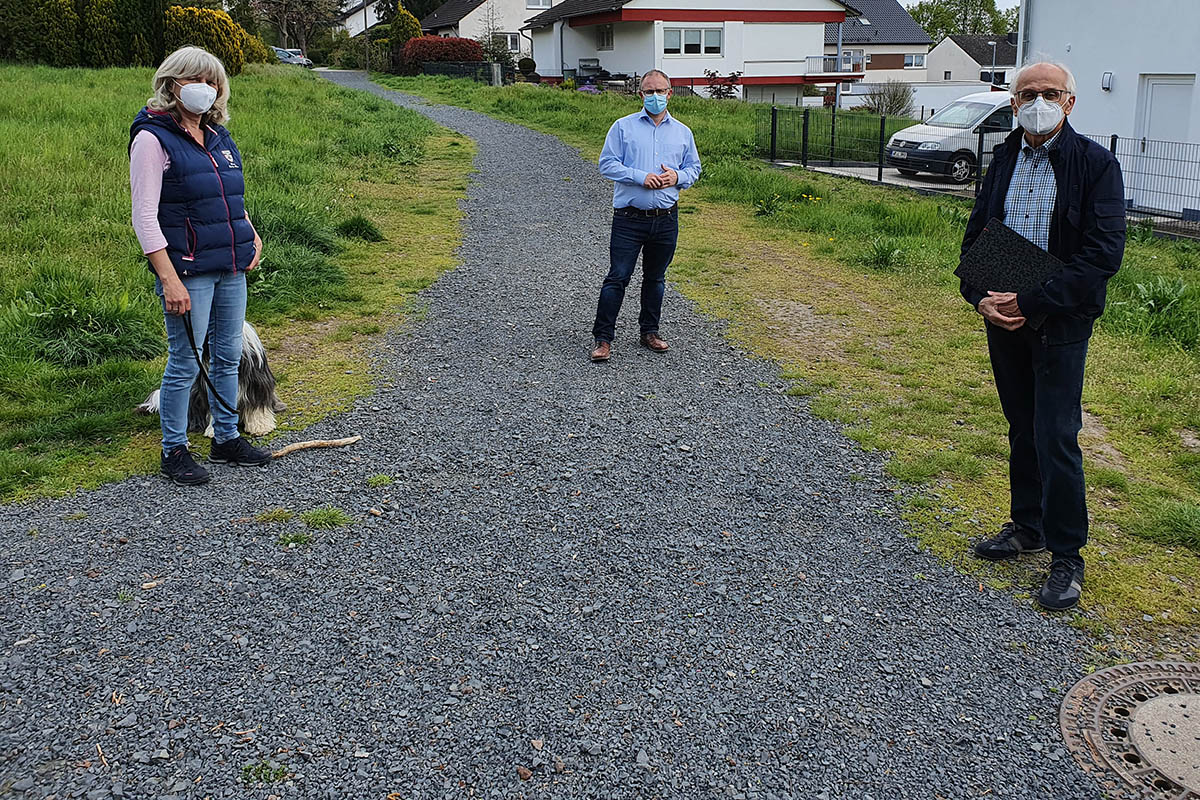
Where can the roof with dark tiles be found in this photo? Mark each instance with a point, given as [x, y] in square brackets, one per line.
[886, 23]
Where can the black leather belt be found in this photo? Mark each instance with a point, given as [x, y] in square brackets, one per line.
[633, 211]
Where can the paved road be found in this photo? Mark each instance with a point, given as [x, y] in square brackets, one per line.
[659, 577]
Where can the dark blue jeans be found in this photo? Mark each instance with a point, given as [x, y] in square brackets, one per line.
[654, 238]
[1041, 388]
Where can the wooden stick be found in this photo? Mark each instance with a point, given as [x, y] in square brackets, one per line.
[292, 448]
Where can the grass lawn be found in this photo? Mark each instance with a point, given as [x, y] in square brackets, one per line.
[849, 287]
[355, 200]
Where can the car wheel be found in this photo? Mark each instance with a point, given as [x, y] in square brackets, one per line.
[908, 173]
[962, 167]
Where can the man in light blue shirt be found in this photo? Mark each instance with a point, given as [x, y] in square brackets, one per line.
[649, 156]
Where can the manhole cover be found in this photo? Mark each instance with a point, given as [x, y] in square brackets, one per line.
[1136, 729]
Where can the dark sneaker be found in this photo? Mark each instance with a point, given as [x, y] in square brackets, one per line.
[1010, 542]
[239, 453]
[181, 469]
[1063, 586]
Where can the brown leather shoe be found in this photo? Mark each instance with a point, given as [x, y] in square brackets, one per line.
[655, 342]
[601, 351]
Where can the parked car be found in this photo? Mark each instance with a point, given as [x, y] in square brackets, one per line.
[292, 56]
[947, 142]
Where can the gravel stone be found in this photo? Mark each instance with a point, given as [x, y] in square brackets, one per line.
[546, 550]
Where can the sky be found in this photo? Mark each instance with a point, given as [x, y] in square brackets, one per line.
[1004, 5]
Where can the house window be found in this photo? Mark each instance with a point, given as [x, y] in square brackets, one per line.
[511, 41]
[852, 60]
[604, 37]
[914, 60]
[712, 41]
[946, 75]
[692, 41]
[537, 3]
[671, 42]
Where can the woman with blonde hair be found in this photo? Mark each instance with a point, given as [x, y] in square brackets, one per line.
[185, 174]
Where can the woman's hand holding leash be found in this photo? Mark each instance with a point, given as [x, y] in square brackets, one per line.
[176, 297]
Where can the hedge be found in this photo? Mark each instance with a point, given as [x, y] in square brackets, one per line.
[439, 48]
[255, 50]
[118, 33]
[208, 28]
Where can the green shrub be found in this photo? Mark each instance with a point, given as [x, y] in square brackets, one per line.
[89, 33]
[404, 27]
[359, 227]
[255, 50]
[883, 254]
[208, 28]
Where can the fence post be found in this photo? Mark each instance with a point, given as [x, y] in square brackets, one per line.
[832, 133]
[979, 163]
[1112, 144]
[774, 129]
[804, 141]
[882, 136]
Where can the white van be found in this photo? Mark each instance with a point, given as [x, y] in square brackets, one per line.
[946, 143]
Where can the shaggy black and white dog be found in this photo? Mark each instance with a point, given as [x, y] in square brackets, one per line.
[257, 402]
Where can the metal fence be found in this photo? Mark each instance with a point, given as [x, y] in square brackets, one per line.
[482, 71]
[1162, 179]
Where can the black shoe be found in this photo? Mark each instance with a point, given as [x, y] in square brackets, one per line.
[1063, 586]
[182, 470]
[1010, 542]
[239, 453]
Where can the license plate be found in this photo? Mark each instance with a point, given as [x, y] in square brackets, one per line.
[899, 154]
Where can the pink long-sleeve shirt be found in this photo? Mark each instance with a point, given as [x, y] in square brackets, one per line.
[147, 163]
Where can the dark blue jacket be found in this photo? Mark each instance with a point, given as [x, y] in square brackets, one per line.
[202, 210]
[1087, 231]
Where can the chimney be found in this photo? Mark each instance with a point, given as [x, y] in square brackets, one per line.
[1011, 38]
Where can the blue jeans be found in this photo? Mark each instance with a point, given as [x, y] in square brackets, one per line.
[1041, 389]
[218, 311]
[654, 238]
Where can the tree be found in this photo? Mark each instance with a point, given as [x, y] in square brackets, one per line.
[422, 8]
[891, 98]
[385, 11]
[495, 45]
[940, 18]
[297, 20]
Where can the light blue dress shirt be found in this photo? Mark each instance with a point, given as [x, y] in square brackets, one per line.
[635, 147]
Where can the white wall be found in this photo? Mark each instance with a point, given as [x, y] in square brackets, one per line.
[1128, 39]
[949, 56]
[510, 15]
[354, 23]
[780, 48]
[927, 97]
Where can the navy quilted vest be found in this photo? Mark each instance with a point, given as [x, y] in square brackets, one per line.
[202, 210]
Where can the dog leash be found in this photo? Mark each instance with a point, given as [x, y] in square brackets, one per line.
[187, 325]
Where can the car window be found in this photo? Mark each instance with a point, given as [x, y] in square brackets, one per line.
[960, 114]
[1000, 120]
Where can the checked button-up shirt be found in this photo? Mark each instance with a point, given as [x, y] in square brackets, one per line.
[1029, 204]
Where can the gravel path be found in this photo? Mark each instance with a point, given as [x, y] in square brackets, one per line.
[659, 577]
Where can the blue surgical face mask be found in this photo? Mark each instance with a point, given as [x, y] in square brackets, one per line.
[655, 103]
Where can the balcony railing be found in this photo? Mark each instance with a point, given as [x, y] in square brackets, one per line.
[829, 65]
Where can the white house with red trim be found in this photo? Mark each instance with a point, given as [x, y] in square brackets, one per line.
[777, 45]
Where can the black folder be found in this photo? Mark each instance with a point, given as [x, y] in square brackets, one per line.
[1002, 260]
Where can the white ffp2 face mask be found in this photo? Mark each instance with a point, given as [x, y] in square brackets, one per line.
[197, 98]
[1039, 117]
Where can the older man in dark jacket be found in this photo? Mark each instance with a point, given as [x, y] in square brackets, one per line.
[1063, 192]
